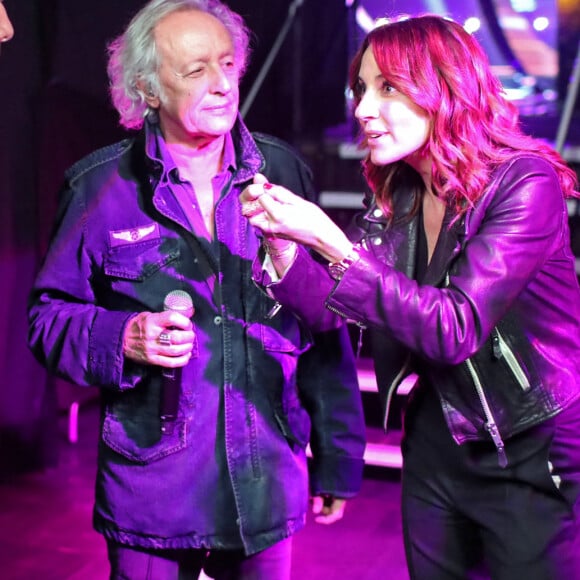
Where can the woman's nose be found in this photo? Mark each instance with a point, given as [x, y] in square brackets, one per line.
[366, 108]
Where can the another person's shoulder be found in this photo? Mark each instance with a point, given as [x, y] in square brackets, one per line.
[103, 160]
[277, 149]
[270, 142]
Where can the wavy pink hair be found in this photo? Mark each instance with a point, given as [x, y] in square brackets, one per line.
[443, 69]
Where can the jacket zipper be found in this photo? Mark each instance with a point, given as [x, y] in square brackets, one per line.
[360, 325]
[490, 424]
[392, 388]
[502, 350]
[396, 381]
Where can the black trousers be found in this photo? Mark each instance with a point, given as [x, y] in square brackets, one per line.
[464, 517]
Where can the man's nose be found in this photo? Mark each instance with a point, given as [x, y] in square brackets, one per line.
[221, 82]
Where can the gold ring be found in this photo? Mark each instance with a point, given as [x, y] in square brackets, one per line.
[251, 209]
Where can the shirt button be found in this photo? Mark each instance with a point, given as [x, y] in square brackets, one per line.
[217, 320]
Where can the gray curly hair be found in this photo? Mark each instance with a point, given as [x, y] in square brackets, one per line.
[133, 56]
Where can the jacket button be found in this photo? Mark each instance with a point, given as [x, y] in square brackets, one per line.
[217, 320]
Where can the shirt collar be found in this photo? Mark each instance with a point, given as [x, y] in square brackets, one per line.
[156, 148]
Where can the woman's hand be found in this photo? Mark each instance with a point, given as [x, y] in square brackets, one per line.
[279, 213]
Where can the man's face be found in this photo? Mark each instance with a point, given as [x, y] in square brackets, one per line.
[199, 76]
[6, 28]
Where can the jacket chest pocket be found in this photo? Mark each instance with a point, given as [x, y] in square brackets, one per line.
[137, 262]
[127, 268]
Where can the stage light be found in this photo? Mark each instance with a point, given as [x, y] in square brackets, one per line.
[541, 23]
[364, 19]
[514, 23]
[524, 5]
[472, 24]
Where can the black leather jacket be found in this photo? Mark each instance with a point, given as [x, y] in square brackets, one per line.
[494, 326]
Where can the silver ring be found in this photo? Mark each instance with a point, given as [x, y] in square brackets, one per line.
[164, 339]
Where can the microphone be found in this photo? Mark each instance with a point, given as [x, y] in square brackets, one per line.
[177, 301]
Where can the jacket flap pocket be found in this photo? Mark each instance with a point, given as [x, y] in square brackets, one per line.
[139, 261]
[141, 441]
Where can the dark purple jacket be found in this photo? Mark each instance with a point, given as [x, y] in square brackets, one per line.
[234, 472]
[495, 325]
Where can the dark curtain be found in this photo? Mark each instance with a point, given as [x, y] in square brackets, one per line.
[27, 406]
[55, 109]
[303, 92]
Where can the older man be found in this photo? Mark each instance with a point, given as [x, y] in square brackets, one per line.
[215, 475]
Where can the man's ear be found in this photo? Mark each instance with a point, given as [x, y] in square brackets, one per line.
[150, 97]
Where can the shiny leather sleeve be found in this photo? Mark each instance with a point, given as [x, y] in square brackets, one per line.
[515, 255]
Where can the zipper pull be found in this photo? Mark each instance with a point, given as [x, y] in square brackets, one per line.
[498, 442]
[274, 310]
[359, 343]
[495, 345]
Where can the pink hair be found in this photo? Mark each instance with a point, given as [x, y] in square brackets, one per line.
[442, 68]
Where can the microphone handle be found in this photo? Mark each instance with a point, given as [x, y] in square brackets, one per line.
[178, 301]
[169, 404]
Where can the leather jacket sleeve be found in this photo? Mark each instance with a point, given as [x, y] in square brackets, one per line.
[509, 237]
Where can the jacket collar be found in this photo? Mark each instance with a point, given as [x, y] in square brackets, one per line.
[401, 238]
[248, 158]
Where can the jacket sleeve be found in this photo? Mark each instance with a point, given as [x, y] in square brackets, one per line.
[327, 378]
[303, 289]
[68, 333]
[330, 392]
[512, 237]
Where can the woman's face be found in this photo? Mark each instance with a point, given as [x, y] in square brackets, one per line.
[395, 128]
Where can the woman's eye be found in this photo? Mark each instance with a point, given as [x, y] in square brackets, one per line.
[358, 90]
[387, 88]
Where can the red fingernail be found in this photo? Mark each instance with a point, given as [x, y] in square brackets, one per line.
[268, 186]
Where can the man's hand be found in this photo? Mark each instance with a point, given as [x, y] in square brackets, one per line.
[327, 509]
[142, 344]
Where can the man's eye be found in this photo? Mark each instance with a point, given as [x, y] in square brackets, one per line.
[194, 72]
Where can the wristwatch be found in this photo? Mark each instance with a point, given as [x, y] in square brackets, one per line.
[337, 269]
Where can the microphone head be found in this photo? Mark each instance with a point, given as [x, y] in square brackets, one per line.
[179, 301]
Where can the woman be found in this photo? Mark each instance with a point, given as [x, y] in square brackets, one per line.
[464, 276]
